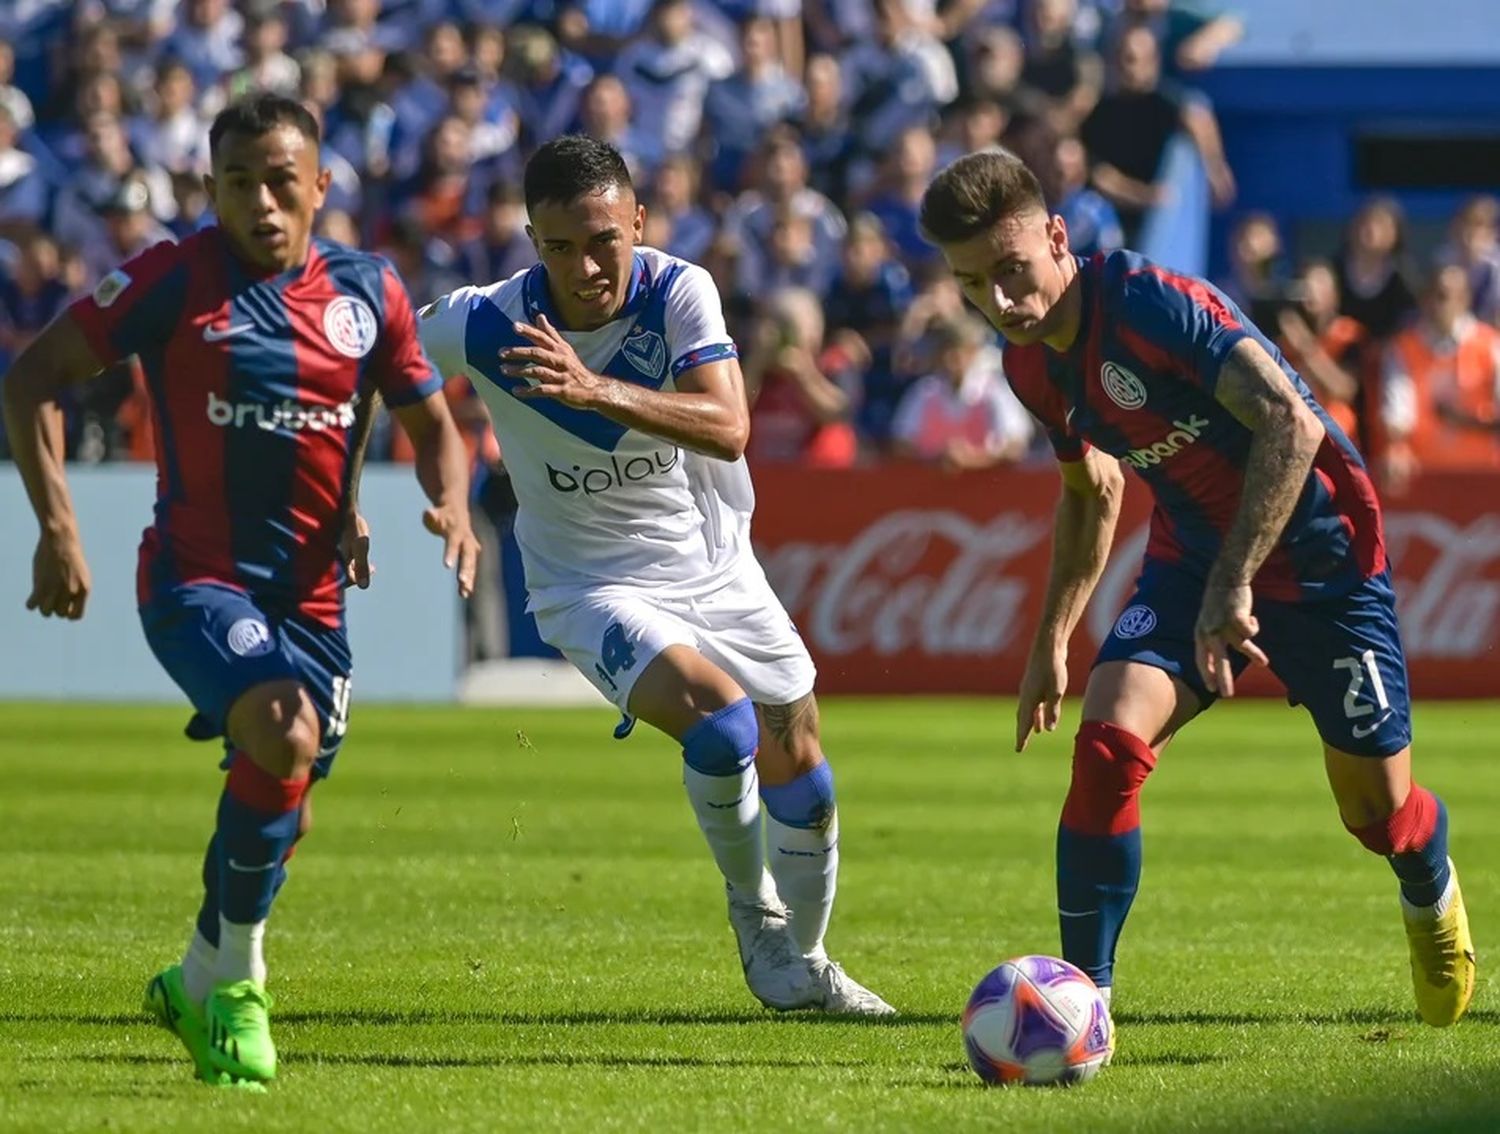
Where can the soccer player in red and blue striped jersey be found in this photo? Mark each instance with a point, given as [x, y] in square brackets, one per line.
[263, 349]
[1265, 546]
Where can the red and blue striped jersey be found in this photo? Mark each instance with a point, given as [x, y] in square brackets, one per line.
[253, 380]
[1138, 383]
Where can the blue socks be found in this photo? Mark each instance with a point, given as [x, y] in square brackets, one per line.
[1097, 876]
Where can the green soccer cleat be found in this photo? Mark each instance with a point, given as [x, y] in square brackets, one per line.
[238, 1019]
[168, 1003]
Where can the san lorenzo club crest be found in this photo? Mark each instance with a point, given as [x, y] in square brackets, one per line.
[1123, 387]
[1136, 622]
[350, 326]
[647, 352]
[250, 637]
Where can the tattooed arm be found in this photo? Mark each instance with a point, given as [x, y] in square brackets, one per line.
[1286, 437]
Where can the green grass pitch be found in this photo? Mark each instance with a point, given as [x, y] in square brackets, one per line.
[505, 920]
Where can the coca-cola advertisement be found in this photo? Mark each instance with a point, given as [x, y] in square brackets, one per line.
[907, 579]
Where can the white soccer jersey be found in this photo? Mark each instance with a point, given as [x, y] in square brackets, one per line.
[601, 504]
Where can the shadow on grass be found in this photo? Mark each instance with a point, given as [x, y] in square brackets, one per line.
[1161, 1059]
[1353, 1017]
[541, 1059]
[413, 1017]
[410, 1017]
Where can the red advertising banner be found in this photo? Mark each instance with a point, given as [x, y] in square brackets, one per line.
[906, 579]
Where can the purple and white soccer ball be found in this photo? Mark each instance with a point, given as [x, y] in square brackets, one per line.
[1037, 1020]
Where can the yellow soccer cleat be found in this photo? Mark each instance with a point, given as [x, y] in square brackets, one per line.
[1442, 956]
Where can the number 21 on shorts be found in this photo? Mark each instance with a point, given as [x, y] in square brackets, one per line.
[1361, 669]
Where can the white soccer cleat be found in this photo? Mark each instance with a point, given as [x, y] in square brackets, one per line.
[839, 994]
[775, 971]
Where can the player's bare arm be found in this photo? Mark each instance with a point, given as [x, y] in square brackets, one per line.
[706, 413]
[57, 358]
[1286, 439]
[443, 471]
[1092, 490]
[355, 542]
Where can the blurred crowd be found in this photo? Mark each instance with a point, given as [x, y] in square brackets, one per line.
[1401, 349]
[784, 144]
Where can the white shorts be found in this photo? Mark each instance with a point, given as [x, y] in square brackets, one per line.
[612, 633]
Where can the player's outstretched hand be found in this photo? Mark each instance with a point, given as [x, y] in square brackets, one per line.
[551, 367]
[1042, 687]
[354, 544]
[60, 580]
[1225, 623]
[460, 546]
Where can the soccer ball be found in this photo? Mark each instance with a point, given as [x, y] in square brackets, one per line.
[1037, 1020]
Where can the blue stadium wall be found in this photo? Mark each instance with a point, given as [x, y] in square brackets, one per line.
[1309, 143]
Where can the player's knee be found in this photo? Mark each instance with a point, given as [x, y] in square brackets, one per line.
[280, 731]
[723, 743]
[1402, 829]
[1109, 766]
[807, 801]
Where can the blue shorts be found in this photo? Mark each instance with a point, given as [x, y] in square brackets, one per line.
[216, 642]
[1341, 657]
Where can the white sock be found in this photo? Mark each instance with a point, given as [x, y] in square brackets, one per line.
[805, 864]
[198, 967]
[240, 953]
[728, 812]
[1433, 912]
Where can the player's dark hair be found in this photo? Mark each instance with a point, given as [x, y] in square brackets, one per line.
[259, 114]
[974, 193]
[574, 166]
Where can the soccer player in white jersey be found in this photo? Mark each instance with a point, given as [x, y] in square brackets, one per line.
[616, 394]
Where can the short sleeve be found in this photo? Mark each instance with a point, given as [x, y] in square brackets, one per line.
[1187, 321]
[443, 328]
[403, 372]
[696, 334]
[136, 306]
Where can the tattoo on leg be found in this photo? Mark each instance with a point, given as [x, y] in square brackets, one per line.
[784, 722]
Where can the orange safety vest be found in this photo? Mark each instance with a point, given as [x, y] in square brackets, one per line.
[1465, 378]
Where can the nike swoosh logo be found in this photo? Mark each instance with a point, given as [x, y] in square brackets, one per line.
[251, 869]
[1068, 417]
[1362, 731]
[214, 334]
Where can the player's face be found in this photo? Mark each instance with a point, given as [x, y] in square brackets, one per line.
[266, 189]
[588, 248]
[1015, 274]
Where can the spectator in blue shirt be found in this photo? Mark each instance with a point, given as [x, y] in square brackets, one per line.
[551, 85]
[503, 248]
[1093, 224]
[25, 195]
[207, 40]
[690, 228]
[909, 170]
[739, 110]
[828, 140]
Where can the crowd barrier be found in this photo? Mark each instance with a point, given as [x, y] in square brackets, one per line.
[901, 579]
[906, 579]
